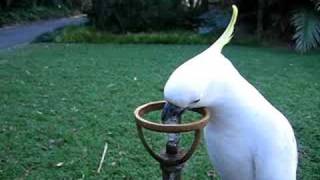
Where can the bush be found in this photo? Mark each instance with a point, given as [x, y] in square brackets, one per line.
[73, 34]
[140, 15]
[84, 34]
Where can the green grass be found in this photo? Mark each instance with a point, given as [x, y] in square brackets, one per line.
[62, 103]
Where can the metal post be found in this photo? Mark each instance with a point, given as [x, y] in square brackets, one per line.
[172, 171]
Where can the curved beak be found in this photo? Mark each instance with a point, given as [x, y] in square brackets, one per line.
[171, 114]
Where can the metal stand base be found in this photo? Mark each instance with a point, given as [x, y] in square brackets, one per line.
[171, 172]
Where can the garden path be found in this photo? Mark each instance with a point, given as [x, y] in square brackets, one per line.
[12, 36]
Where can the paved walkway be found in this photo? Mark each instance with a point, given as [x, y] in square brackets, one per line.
[24, 34]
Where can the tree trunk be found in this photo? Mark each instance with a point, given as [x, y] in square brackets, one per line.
[260, 11]
[8, 3]
[205, 5]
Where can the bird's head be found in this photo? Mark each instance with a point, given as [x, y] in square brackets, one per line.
[199, 81]
[188, 84]
[192, 85]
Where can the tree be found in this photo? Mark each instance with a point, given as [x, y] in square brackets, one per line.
[260, 11]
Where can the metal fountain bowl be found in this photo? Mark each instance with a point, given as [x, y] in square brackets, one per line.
[169, 128]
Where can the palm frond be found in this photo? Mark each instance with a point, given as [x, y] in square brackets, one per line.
[318, 5]
[307, 29]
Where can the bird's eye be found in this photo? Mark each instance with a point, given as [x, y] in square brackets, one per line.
[193, 102]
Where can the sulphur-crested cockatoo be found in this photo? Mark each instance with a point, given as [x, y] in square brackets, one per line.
[246, 137]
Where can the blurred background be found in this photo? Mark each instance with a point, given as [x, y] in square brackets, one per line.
[292, 23]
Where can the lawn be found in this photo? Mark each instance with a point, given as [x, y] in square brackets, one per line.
[60, 103]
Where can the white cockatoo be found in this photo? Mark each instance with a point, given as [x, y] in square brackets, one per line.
[246, 137]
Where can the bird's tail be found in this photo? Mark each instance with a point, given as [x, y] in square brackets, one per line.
[228, 33]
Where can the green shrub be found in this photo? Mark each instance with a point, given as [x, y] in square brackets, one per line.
[141, 15]
[85, 34]
[91, 35]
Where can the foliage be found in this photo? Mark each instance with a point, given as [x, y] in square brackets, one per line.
[307, 29]
[140, 15]
[60, 103]
[271, 19]
[14, 4]
[74, 34]
[317, 4]
[274, 20]
[16, 11]
[85, 34]
[31, 14]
